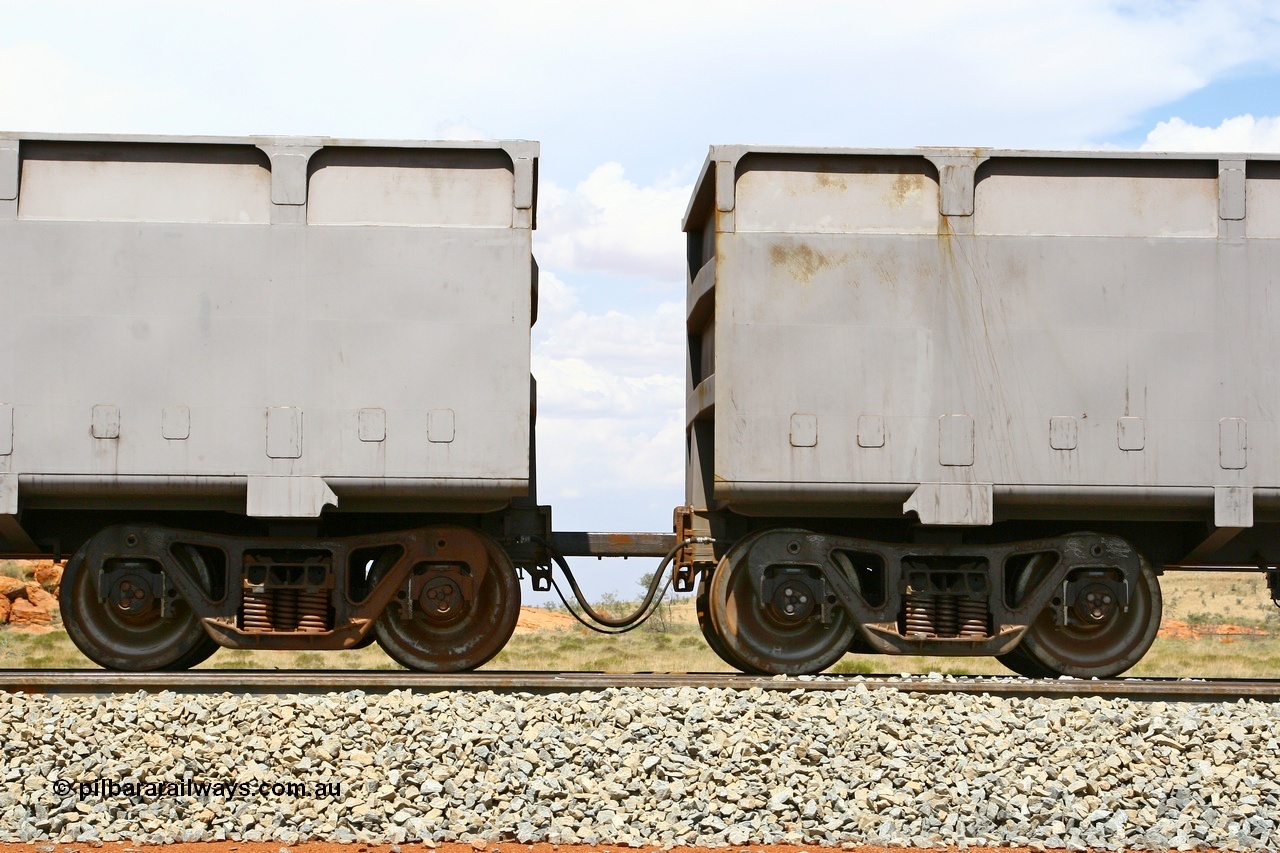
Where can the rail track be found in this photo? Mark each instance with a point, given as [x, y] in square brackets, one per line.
[311, 681]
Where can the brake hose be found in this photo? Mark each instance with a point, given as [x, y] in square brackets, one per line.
[633, 620]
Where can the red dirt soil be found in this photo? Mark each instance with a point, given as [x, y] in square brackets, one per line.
[534, 619]
[1176, 629]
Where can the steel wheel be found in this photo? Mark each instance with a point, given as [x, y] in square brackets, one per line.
[703, 610]
[124, 628]
[1023, 664]
[446, 632]
[762, 634]
[859, 645]
[1101, 649]
[1018, 659]
[205, 649]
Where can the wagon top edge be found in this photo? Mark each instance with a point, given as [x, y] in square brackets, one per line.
[728, 156]
[515, 147]
[737, 151]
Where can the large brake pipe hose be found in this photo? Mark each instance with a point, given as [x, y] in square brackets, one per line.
[631, 621]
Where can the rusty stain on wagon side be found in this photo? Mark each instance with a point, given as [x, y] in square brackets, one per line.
[830, 180]
[906, 189]
[801, 260]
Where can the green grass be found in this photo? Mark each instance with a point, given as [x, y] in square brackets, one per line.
[678, 648]
[676, 645]
[1207, 657]
[1228, 597]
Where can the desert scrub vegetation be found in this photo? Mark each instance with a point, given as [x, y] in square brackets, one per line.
[673, 642]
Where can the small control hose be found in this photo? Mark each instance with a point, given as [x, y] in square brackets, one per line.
[631, 621]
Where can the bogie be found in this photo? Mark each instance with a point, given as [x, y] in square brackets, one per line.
[140, 597]
[791, 601]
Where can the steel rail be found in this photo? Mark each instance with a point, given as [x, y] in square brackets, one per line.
[330, 681]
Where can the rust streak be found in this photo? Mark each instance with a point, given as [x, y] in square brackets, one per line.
[905, 190]
[829, 180]
[801, 260]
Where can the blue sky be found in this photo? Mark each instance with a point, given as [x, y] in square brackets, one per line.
[1253, 92]
[625, 97]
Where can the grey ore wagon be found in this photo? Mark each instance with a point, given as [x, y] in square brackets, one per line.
[958, 401]
[208, 341]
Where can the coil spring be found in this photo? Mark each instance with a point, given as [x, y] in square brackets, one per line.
[257, 612]
[973, 618]
[946, 620]
[919, 615]
[313, 612]
[945, 616]
[286, 610]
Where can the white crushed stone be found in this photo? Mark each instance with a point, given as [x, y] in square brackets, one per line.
[654, 767]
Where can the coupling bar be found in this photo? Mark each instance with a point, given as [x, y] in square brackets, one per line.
[574, 544]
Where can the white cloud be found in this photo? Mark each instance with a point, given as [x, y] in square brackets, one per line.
[459, 129]
[609, 224]
[633, 345]
[1242, 133]
[603, 456]
[575, 386]
[556, 300]
[610, 382]
[618, 81]
[593, 365]
[610, 396]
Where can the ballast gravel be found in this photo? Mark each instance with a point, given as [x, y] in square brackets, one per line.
[641, 767]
